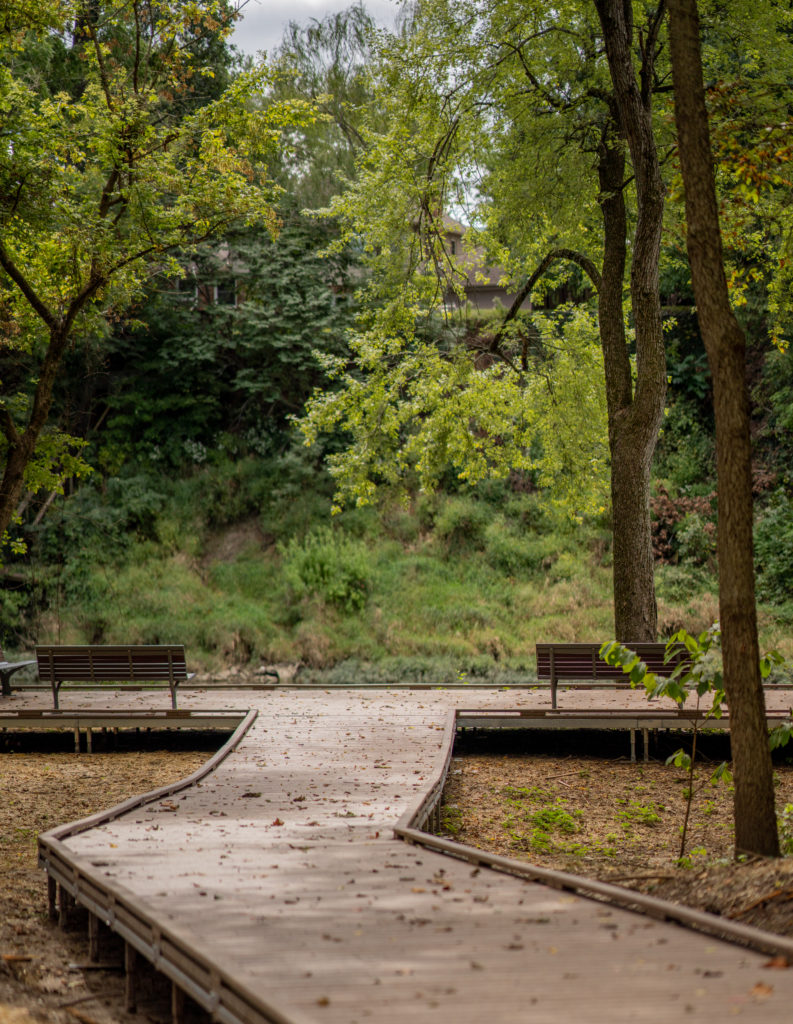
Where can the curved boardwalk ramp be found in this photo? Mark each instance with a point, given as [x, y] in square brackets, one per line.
[279, 870]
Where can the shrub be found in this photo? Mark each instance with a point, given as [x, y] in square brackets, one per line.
[328, 565]
[773, 542]
[670, 515]
[515, 553]
[461, 523]
[696, 539]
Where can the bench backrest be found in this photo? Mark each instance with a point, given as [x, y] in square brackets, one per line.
[583, 661]
[112, 663]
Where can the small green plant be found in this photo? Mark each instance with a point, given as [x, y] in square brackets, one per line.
[556, 819]
[639, 814]
[690, 860]
[451, 819]
[330, 566]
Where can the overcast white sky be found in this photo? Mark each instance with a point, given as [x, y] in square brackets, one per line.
[264, 21]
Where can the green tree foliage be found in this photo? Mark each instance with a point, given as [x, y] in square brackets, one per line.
[417, 403]
[107, 169]
[203, 373]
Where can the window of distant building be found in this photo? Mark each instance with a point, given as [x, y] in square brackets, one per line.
[226, 293]
[453, 247]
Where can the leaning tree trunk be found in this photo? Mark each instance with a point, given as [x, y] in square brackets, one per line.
[755, 818]
[634, 420]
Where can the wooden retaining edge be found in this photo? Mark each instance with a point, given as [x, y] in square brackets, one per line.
[410, 828]
[165, 947]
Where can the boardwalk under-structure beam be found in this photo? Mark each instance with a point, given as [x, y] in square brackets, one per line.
[631, 722]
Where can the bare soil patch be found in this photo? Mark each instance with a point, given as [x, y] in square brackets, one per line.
[38, 981]
[620, 822]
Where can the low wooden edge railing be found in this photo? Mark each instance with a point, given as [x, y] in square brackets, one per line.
[426, 811]
[169, 950]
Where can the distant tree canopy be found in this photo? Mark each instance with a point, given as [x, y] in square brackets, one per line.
[118, 152]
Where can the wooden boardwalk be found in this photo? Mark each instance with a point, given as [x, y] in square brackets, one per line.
[281, 871]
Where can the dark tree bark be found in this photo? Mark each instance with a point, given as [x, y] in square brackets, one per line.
[634, 416]
[21, 446]
[755, 818]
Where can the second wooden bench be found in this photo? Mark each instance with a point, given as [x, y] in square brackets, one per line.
[581, 664]
[113, 663]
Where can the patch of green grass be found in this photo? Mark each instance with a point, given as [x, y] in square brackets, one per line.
[638, 814]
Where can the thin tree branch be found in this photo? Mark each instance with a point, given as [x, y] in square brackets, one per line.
[8, 426]
[25, 287]
[573, 256]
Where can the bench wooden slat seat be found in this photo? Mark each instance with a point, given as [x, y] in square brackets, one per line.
[7, 669]
[581, 663]
[112, 663]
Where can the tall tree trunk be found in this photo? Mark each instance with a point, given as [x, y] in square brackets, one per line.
[22, 446]
[755, 818]
[634, 422]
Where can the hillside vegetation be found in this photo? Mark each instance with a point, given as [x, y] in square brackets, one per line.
[242, 562]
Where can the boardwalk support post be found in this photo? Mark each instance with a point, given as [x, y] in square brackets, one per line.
[130, 979]
[177, 1004]
[52, 897]
[65, 903]
[93, 938]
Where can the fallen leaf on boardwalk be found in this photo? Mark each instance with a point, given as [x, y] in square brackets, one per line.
[761, 990]
[323, 1001]
[778, 961]
[244, 795]
[277, 822]
[417, 888]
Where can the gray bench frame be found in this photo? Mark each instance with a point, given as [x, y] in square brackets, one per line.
[581, 664]
[7, 669]
[112, 663]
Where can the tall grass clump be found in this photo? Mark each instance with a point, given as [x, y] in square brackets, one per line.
[328, 565]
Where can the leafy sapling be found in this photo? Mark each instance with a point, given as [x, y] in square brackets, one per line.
[697, 669]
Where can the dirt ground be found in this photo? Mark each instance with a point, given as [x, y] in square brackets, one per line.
[621, 822]
[40, 974]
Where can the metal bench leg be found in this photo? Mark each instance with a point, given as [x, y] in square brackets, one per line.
[5, 683]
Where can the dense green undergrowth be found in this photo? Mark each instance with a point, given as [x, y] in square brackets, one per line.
[242, 562]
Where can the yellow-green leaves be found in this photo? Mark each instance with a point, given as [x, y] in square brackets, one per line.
[415, 407]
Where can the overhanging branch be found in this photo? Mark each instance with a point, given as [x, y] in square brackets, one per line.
[573, 256]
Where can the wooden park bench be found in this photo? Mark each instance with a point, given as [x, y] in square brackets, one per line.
[581, 664]
[7, 669]
[120, 663]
